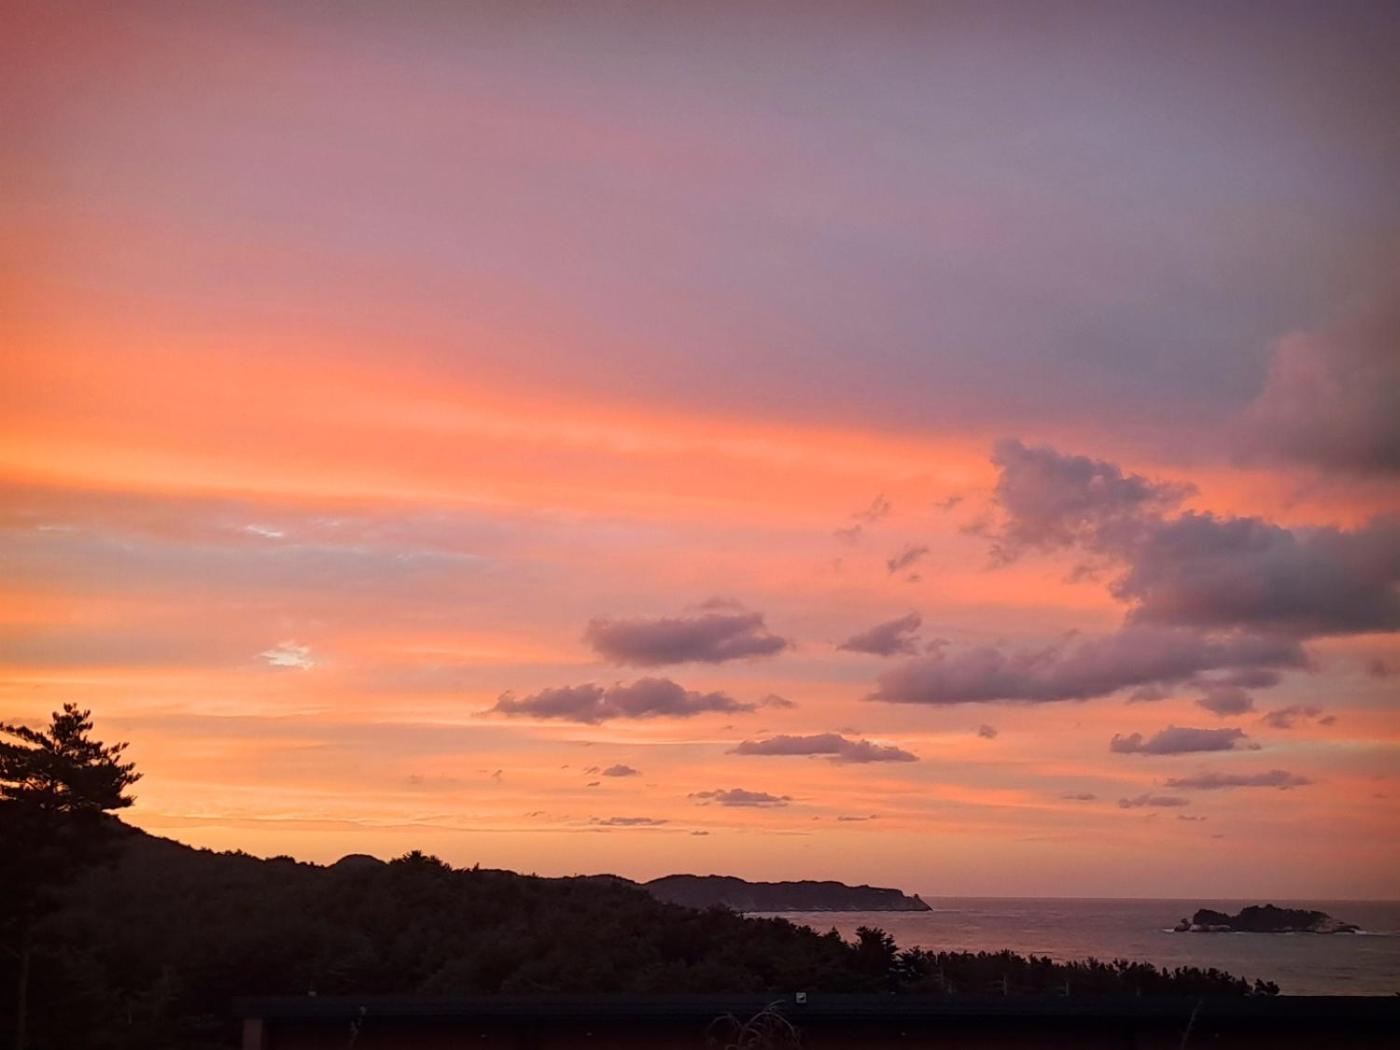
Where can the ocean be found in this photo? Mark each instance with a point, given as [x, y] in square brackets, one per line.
[1301, 964]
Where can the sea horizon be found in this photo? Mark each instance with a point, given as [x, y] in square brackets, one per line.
[1070, 929]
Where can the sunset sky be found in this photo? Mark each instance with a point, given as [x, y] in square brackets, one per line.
[946, 446]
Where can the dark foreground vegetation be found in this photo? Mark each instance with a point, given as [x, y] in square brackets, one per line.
[153, 949]
[136, 941]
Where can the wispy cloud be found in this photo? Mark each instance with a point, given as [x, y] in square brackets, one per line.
[592, 703]
[288, 655]
[892, 638]
[1151, 801]
[838, 747]
[1274, 778]
[905, 558]
[742, 798]
[627, 822]
[1289, 717]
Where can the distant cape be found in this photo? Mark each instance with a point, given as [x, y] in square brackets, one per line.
[707, 891]
[728, 891]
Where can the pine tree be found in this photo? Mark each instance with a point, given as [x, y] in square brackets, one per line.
[56, 788]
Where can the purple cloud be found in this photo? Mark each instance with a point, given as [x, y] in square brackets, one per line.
[891, 638]
[1332, 398]
[592, 703]
[1177, 740]
[1053, 500]
[712, 637]
[987, 732]
[621, 771]
[1226, 700]
[1207, 572]
[1198, 570]
[855, 752]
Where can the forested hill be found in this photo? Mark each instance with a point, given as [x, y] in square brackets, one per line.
[706, 891]
[151, 950]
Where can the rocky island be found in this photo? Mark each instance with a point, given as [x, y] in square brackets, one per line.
[707, 891]
[1264, 918]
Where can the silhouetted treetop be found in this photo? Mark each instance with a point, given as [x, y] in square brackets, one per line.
[63, 770]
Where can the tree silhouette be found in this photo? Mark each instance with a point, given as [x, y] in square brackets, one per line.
[56, 787]
[876, 954]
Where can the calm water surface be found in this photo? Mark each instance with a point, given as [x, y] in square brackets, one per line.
[1301, 964]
